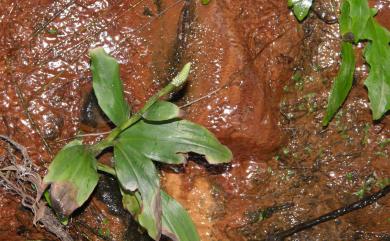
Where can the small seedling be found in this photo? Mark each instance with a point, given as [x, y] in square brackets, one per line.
[361, 192]
[383, 183]
[52, 31]
[366, 186]
[286, 89]
[308, 149]
[381, 154]
[384, 142]
[104, 232]
[257, 216]
[286, 151]
[290, 173]
[366, 130]
[349, 176]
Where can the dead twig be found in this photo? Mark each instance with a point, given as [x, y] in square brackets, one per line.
[205, 96]
[329, 216]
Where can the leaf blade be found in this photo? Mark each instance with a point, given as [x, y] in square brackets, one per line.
[377, 55]
[136, 172]
[73, 177]
[161, 111]
[132, 202]
[300, 8]
[354, 17]
[108, 86]
[167, 142]
[358, 18]
[342, 84]
[177, 224]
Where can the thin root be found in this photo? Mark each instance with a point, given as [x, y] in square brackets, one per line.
[17, 176]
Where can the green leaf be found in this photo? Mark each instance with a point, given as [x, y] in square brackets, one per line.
[132, 202]
[161, 111]
[137, 172]
[46, 195]
[300, 8]
[357, 18]
[377, 55]
[342, 84]
[354, 17]
[168, 142]
[72, 176]
[164, 141]
[182, 76]
[177, 224]
[108, 86]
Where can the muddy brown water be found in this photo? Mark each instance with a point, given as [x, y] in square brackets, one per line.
[270, 78]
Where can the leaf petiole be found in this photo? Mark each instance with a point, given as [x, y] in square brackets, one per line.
[105, 168]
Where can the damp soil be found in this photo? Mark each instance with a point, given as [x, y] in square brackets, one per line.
[260, 83]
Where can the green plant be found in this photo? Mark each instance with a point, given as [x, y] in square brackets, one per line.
[342, 84]
[384, 142]
[349, 176]
[357, 24]
[366, 186]
[300, 8]
[155, 133]
[382, 183]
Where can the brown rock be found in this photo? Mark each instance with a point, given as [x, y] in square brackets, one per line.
[245, 48]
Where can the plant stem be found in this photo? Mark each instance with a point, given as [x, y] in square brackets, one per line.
[179, 80]
[107, 169]
[108, 141]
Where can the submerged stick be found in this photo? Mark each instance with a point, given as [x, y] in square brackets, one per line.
[329, 216]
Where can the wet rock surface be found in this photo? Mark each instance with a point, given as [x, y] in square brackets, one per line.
[238, 49]
[112, 221]
[16, 222]
[237, 56]
[248, 57]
